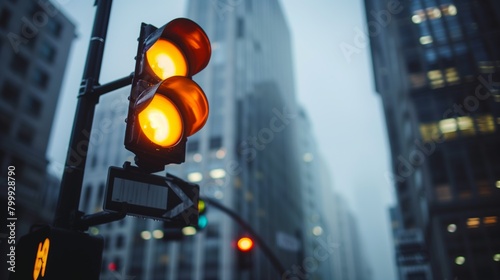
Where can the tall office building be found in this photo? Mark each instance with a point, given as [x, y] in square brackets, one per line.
[436, 66]
[35, 39]
[245, 157]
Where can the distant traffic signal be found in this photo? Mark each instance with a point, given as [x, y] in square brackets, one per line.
[166, 105]
[244, 247]
[202, 218]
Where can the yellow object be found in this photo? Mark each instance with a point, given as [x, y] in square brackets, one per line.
[166, 60]
[161, 122]
[245, 244]
[41, 259]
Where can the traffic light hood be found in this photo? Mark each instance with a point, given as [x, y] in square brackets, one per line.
[187, 97]
[187, 41]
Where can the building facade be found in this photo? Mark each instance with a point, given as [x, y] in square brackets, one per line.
[436, 66]
[35, 40]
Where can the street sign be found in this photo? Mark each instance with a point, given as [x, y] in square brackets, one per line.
[287, 242]
[168, 198]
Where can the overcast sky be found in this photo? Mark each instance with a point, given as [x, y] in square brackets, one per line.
[335, 87]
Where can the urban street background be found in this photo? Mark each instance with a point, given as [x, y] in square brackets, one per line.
[334, 85]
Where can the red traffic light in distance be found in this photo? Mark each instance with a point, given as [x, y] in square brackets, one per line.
[245, 244]
[166, 105]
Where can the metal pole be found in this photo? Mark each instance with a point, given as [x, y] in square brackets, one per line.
[267, 251]
[67, 215]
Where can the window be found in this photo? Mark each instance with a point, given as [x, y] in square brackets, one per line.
[486, 124]
[215, 143]
[47, 52]
[240, 29]
[5, 18]
[33, 106]
[25, 134]
[54, 27]
[119, 241]
[40, 78]
[193, 146]
[19, 64]
[5, 124]
[10, 93]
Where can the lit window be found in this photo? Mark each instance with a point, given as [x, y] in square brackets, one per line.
[449, 9]
[146, 235]
[473, 222]
[429, 132]
[485, 123]
[308, 157]
[452, 75]
[491, 220]
[448, 125]
[486, 67]
[433, 13]
[418, 16]
[218, 173]
[317, 230]
[460, 260]
[197, 157]
[220, 154]
[443, 193]
[466, 126]
[436, 78]
[448, 128]
[158, 234]
[452, 228]
[195, 177]
[425, 40]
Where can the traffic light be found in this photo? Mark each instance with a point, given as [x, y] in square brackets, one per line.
[166, 106]
[202, 216]
[244, 247]
[52, 253]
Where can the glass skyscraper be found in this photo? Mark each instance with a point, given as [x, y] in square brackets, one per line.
[436, 66]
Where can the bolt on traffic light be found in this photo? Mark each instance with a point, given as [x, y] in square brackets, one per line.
[166, 105]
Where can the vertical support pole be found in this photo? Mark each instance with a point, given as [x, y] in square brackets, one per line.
[67, 215]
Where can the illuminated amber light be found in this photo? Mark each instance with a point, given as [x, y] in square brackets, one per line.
[41, 259]
[473, 222]
[245, 244]
[166, 60]
[491, 220]
[161, 122]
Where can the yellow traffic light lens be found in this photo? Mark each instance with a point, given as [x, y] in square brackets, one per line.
[166, 60]
[201, 206]
[245, 244]
[161, 122]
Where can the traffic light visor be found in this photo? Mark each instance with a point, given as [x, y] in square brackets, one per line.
[192, 40]
[166, 60]
[190, 99]
[161, 122]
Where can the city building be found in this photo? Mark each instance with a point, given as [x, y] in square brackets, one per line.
[436, 66]
[35, 40]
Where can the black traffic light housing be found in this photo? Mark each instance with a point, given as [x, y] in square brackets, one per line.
[50, 253]
[165, 104]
